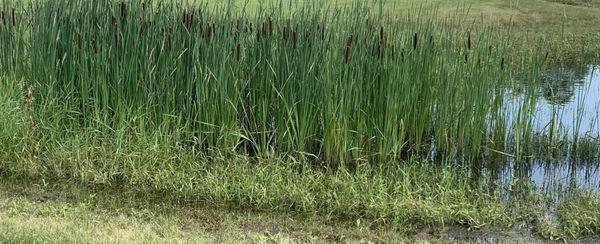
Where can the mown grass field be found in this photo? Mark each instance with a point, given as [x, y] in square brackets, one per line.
[134, 124]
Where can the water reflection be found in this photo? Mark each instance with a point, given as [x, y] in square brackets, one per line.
[566, 112]
[570, 102]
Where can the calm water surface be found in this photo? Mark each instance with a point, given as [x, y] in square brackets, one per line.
[569, 104]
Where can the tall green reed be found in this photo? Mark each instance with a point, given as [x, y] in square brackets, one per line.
[337, 85]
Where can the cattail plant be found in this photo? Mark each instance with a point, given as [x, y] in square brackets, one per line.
[14, 18]
[415, 41]
[382, 110]
[348, 49]
[270, 25]
[79, 41]
[170, 37]
[123, 8]
[294, 39]
[469, 40]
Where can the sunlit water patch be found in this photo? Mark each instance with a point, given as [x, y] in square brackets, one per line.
[566, 110]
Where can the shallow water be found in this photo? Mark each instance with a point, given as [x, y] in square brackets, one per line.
[567, 104]
[572, 98]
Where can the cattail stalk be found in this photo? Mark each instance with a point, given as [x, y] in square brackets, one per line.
[294, 39]
[123, 9]
[469, 41]
[169, 38]
[348, 49]
[415, 41]
[79, 41]
[114, 22]
[270, 26]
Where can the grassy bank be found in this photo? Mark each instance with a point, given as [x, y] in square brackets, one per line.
[63, 210]
[337, 112]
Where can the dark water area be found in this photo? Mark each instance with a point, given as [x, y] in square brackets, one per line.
[567, 106]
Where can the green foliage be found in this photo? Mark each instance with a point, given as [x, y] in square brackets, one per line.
[339, 89]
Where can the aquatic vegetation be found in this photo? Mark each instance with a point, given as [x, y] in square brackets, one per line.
[320, 109]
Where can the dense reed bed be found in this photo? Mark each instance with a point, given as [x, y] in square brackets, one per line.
[313, 109]
[335, 86]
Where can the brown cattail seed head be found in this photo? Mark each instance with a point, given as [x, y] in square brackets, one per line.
[294, 39]
[79, 41]
[469, 41]
[238, 51]
[123, 9]
[348, 49]
[169, 38]
[381, 34]
[415, 41]
[114, 21]
[270, 26]
[14, 17]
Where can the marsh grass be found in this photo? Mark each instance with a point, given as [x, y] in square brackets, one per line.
[342, 97]
[331, 110]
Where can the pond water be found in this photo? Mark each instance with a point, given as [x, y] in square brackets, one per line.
[572, 98]
[568, 101]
